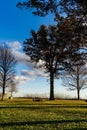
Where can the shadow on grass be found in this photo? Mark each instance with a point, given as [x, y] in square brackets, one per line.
[41, 122]
[42, 106]
[77, 129]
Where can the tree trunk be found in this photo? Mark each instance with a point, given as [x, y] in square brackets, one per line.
[78, 87]
[11, 93]
[51, 86]
[3, 88]
[78, 94]
[3, 93]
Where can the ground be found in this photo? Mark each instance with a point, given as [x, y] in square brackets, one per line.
[26, 114]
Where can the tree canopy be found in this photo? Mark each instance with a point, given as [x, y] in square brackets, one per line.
[57, 46]
[54, 48]
[77, 9]
[44, 7]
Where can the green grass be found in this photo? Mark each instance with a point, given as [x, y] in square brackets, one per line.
[24, 114]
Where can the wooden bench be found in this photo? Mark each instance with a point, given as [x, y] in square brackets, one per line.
[37, 99]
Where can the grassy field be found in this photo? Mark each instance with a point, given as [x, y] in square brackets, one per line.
[25, 114]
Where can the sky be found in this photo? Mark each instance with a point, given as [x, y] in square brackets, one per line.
[15, 27]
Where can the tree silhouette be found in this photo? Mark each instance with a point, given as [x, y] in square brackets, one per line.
[53, 47]
[75, 78]
[13, 86]
[7, 70]
[65, 40]
[42, 8]
[77, 9]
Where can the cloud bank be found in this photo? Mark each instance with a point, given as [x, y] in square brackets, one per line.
[35, 73]
[22, 58]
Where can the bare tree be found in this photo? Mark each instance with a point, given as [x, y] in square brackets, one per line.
[76, 79]
[7, 68]
[13, 87]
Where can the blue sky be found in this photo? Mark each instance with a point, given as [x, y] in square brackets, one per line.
[17, 24]
[15, 27]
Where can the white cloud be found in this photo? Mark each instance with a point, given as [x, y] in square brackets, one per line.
[15, 45]
[22, 79]
[20, 56]
[28, 73]
[40, 63]
[35, 73]
[24, 59]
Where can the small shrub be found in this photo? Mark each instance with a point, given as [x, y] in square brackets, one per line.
[10, 97]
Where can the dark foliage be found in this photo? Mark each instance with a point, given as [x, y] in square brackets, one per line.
[54, 48]
[43, 7]
[57, 46]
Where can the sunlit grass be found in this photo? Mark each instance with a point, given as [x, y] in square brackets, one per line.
[21, 114]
